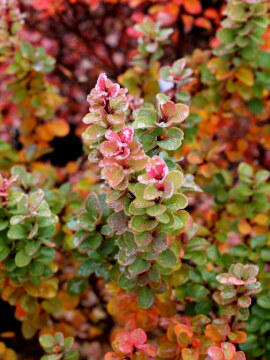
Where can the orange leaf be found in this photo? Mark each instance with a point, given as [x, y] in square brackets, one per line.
[194, 158]
[211, 13]
[72, 167]
[44, 132]
[237, 337]
[204, 23]
[213, 333]
[244, 227]
[59, 128]
[242, 145]
[193, 7]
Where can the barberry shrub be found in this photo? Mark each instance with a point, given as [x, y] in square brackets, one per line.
[153, 243]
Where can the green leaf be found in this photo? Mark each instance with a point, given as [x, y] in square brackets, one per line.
[262, 175]
[162, 98]
[19, 95]
[36, 268]
[183, 96]
[197, 291]
[4, 252]
[32, 247]
[226, 35]
[165, 73]
[125, 283]
[198, 257]
[265, 254]
[146, 298]
[17, 232]
[93, 240]
[160, 242]
[167, 258]
[87, 268]
[228, 292]
[76, 286]
[144, 118]
[244, 301]
[26, 49]
[143, 238]
[156, 210]
[15, 27]
[255, 105]
[22, 259]
[237, 13]
[12, 69]
[52, 306]
[35, 199]
[151, 193]
[264, 59]
[258, 241]
[93, 206]
[46, 255]
[139, 266]
[86, 221]
[142, 223]
[264, 301]
[241, 250]
[245, 171]
[3, 224]
[79, 237]
[176, 178]
[173, 139]
[72, 355]
[47, 341]
[176, 202]
[43, 209]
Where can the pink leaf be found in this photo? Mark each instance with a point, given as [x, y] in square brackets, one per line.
[148, 349]
[125, 346]
[138, 337]
[101, 82]
[121, 336]
[226, 279]
[114, 174]
[215, 353]
[125, 154]
[228, 350]
[169, 109]
[109, 148]
[126, 135]
[112, 136]
[244, 301]
[113, 90]
[240, 355]
[182, 112]
[157, 168]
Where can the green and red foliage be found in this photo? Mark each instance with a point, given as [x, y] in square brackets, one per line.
[139, 228]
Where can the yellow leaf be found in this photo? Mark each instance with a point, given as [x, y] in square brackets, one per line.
[245, 76]
[261, 219]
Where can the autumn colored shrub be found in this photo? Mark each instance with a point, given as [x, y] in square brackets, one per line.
[139, 228]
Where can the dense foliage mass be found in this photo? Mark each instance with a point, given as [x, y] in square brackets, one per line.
[139, 228]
